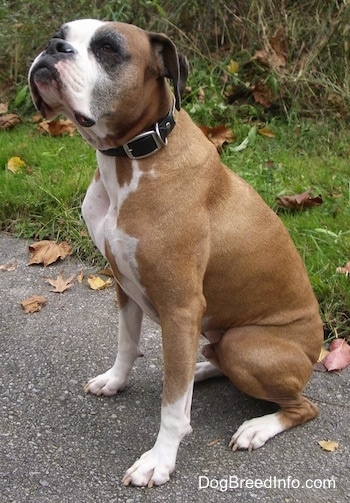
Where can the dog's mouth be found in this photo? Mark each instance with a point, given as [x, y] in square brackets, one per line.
[46, 89]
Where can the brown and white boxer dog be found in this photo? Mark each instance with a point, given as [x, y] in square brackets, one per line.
[190, 243]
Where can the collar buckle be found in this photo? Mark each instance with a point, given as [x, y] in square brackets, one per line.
[152, 136]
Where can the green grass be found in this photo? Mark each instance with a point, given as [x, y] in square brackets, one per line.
[44, 200]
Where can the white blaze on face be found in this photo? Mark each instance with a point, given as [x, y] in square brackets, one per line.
[79, 74]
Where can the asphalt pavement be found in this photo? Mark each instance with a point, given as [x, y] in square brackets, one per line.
[58, 445]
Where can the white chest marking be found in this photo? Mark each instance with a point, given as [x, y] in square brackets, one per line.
[102, 204]
[101, 208]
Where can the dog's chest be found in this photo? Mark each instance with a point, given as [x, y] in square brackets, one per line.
[101, 209]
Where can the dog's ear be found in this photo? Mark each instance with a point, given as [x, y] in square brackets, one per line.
[175, 66]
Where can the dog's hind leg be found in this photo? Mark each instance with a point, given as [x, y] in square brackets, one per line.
[272, 368]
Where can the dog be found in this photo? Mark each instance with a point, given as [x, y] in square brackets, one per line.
[190, 243]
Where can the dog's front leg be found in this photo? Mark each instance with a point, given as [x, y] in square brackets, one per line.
[180, 334]
[116, 378]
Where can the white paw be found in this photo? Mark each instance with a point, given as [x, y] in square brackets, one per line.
[106, 384]
[253, 433]
[151, 469]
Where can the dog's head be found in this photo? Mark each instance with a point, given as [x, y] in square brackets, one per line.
[105, 76]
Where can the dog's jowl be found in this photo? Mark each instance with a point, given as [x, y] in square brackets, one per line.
[190, 243]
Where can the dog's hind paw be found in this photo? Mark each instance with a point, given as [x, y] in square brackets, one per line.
[206, 370]
[149, 470]
[254, 433]
[107, 384]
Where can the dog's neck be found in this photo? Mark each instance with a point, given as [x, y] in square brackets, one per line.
[147, 142]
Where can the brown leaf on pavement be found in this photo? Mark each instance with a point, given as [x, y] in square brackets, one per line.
[46, 252]
[60, 283]
[80, 277]
[97, 283]
[9, 267]
[328, 445]
[338, 357]
[33, 304]
[323, 353]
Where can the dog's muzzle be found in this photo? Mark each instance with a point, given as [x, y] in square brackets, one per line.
[44, 74]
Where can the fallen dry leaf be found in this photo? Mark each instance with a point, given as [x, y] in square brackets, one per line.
[233, 67]
[323, 353]
[97, 283]
[201, 94]
[274, 54]
[328, 445]
[80, 277]
[318, 366]
[58, 127]
[4, 108]
[37, 118]
[9, 267]
[338, 357]
[9, 120]
[218, 135]
[269, 58]
[299, 201]
[15, 164]
[33, 304]
[60, 283]
[262, 94]
[344, 270]
[265, 131]
[46, 252]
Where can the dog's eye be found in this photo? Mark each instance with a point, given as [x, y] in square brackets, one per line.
[107, 49]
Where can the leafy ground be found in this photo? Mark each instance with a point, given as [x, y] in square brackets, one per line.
[43, 199]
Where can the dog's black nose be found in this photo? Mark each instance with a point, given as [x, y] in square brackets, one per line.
[58, 45]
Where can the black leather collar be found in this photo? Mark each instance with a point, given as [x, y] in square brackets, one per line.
[147, 143]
